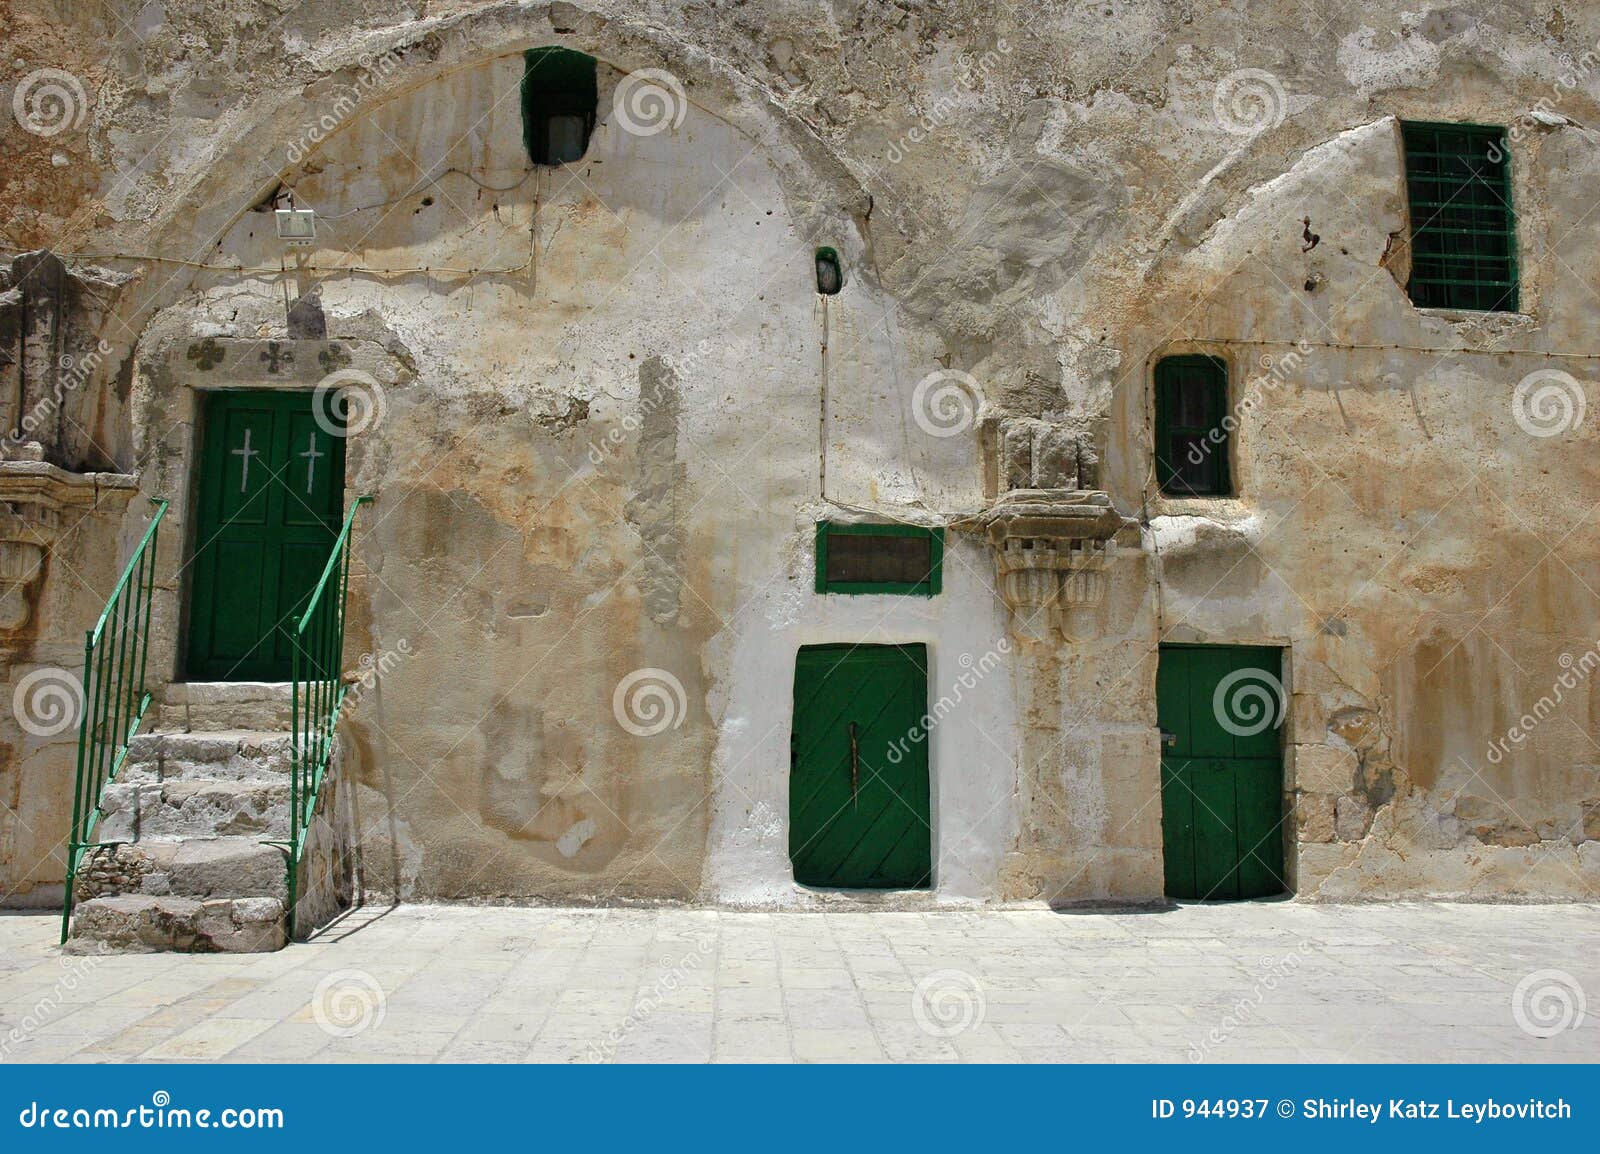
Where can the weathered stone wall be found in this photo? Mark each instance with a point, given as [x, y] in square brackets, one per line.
[612, 408]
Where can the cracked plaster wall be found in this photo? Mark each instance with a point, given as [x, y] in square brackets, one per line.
[1068, 212]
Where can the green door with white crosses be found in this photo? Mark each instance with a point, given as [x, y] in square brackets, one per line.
[268, 507]
[1221, 710]
[858, 768]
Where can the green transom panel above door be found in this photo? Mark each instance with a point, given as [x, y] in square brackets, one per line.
[859, 813]
[1221, 711]
[267, 509]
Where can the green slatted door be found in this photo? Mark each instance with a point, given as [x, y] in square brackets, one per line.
[1221, 711]
[858, 783]
[268, 509]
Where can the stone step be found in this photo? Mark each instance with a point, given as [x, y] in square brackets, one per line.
[196, 807]
[210, 706]
[210, 755]
[137, 923]
[193, 867]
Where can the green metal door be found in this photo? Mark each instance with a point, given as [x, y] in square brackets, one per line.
[858, 775]
[271, 491]
[1221, 709]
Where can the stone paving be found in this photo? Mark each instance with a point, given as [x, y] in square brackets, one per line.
[1275, 981]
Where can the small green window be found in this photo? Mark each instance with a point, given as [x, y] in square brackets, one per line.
[1191, 430]
[559, 95]
[1463, 230]
[879, 559]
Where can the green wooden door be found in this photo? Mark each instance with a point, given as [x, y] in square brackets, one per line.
[858, 781]
[271, 494]
[1221, 711]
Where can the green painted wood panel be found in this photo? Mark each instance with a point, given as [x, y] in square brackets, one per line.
[860, 818]
[1220, 709]
[268, 507]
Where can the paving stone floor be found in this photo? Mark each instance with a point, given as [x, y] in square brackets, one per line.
[1274, 981]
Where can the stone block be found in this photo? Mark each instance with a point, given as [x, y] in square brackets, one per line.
[1322, 768]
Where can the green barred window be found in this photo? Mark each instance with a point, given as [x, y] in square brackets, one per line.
[1191, 433]
[1463, 231]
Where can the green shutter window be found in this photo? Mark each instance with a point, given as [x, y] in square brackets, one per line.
[1463, 230]
[879, 559]
[1191, 437]
[559, 95]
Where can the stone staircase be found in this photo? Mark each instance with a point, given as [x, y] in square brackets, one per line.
[202, 793]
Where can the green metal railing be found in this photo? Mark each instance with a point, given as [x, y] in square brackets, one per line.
[114, 697]
[319, 689]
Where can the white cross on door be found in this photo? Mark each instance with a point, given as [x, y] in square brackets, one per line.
[311, 454]
[244, 453]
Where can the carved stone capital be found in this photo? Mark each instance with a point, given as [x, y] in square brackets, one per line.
[37, 502]
[1052, 550]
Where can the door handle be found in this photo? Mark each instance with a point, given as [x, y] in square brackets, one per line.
[1168, 737]
[855, 765]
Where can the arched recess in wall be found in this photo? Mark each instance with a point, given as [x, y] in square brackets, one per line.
[824, 198]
